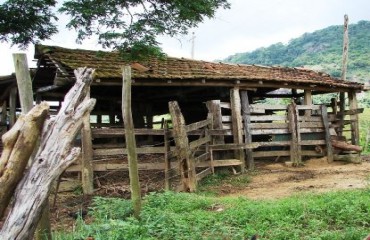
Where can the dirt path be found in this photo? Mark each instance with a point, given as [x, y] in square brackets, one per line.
[275, 180]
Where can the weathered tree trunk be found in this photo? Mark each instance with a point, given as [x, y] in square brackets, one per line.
[55, 154]
[19, 143]
[345, 146]
[130, 141]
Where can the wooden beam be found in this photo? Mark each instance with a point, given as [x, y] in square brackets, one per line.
[12, 106]
[355, 131]
[87, 172]
[247, 128]
[167, 162]
[307, 101]
[295, 150]
[329, 148]
[237, 125]
[342, 104]
[4, 113]
[130, 141]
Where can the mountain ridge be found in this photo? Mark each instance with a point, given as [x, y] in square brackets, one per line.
[320, 50]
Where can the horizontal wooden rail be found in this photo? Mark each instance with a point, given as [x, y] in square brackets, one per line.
[197, 125]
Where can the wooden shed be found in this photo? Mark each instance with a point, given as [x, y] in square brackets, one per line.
[222, 111]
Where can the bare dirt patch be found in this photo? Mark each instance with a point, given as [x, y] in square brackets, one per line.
[275, 180]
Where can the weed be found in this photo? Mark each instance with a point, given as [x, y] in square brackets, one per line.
[168, 215]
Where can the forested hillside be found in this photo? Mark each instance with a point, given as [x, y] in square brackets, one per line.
[320, 50]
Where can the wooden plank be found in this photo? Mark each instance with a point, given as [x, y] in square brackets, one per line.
[120, 132]
[197, 143]
[221, 163]
[123, 151]
[311, 124]
[233, 146]
[268, 118]
[205, 156]
[266, 154]
[269, 131]
[247, 128]
[197, 125]
[237, 126]
[253, 107]
[204, 173]
[214, 108]
[184, 156]
[312, 142]
[273, 143]
[269, 125]
[225, 105]
[329, 148]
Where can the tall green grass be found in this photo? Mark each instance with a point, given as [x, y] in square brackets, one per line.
[337, 215]
[364, 122]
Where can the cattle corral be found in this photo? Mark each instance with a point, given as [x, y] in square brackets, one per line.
[217, 117]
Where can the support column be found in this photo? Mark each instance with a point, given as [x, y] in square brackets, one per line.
[295, 147]
[355, 132]
[214, 108]
[87, 171]
[12, 106]
[329, 147]
[247, 130]
[4, 113]
[237, 125]
[307, 101]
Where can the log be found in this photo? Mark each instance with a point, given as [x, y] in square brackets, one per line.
[55, 154]
[345, 146]
[19, 143]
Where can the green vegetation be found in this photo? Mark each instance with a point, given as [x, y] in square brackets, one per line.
[336, 215]
[131, 26]
[320, 50]
[364, 121]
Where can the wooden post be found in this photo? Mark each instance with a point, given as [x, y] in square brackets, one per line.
[130, 141]
[87, 171]
[355, 132]
[24, 81]
[12, 106]
[237, 124]
[25, 94]
[247, 130]
[295, 149]
[167, 162]
[214, 108]
[187, 164]
[4, 113]
[342, 104]
[329, 147]
[307, 101]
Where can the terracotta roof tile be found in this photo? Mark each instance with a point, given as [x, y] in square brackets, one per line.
[108, 66]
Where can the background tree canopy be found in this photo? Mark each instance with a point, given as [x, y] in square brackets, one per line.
[120, 24]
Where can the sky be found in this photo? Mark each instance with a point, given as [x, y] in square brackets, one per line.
[248, 25]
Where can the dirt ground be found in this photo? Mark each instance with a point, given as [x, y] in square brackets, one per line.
[275, 180]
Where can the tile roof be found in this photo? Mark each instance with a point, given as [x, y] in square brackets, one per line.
[108, 66]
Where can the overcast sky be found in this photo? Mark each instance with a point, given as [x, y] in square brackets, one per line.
[248, 25]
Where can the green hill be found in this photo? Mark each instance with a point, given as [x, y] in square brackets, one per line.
[320, 50]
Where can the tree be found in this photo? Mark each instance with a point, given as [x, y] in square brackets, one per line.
[120, 24]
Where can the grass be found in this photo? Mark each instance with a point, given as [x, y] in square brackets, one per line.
[364, 122]
[336, 215]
